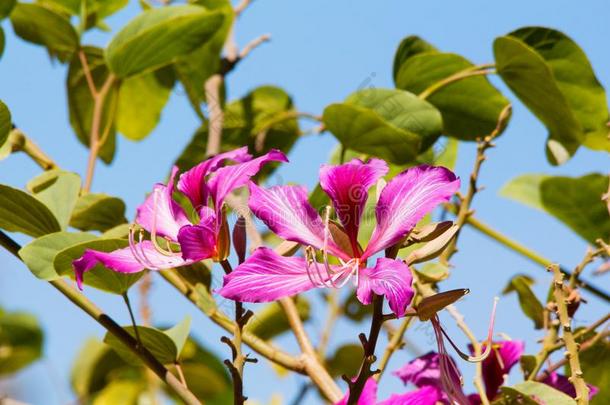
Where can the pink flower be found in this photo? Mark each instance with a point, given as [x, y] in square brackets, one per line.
[427, 395]
[206, 186]
[267, 276]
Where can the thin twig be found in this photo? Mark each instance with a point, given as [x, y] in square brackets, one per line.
[464, 210]
[87, 73]
[250, 46]
[239, 8]
[99, 99]
[215, 114]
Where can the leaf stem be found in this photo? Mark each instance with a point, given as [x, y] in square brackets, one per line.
[526, 252]
[111, 326]
[132, 317]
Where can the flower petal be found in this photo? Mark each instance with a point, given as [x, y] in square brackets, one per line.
[124, 261]
[368, 395]
[192, 183]
[427, 395]
[266, 276]
[391, 278]
[228, 178]
[160, 212]
[286, 211]
[423, 370]
[406, 199]
[198, 242]
[347, 186]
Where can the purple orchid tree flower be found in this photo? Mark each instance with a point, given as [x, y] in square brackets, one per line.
[267, 276]
[206, 187]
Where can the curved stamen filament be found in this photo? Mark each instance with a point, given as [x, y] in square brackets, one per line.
[140, 255]
[153, 231]
[490, 331]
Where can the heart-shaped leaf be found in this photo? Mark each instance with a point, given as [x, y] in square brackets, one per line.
[552, 76]
[40, 253]
[158, 36]
[58, 190]
[564, 198]
[392, 124]
[99, 212]
[21, 212]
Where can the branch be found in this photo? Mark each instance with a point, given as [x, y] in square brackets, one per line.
[111, 326]
[239, 9]
[561, 297]
[368, 344]
[215, 114]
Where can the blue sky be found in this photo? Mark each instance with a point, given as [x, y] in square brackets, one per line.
[321, 51]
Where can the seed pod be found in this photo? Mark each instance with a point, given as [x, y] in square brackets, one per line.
[429, 306]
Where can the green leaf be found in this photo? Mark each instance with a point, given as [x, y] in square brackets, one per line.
[158, 36]
[266, 108]
[158, 342]
[594, 363]
[392, 124]
[195, 68]
[98, 277]
[199, 364]
[180, 333]
[43, 26]
[346, 360]
[58, 190]
[470, 106]
[143, 96]
[528, 364]
[530, 305]
[40, 253]
[94, 367]
[99, 212]
[532, 393]
[20, 212]
[552, 76]
[5, 121]
[6, 6]
[408, 47]
[121, 392]
[21, 341]
[564, 198]
[80, 101]
[271, 321]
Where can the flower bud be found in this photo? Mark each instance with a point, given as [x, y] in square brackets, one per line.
[239, 239]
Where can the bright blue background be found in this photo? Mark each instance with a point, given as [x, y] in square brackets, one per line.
[321, 51]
